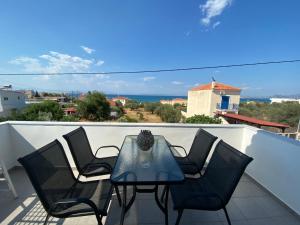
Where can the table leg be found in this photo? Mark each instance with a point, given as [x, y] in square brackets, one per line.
[166, 205]
[163, 208]
[123, 204]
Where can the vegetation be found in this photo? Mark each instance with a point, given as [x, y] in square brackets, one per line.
[94, 107]
[203, 119]
[168, 113]
[151, 106]
[180, 107]
[127, 119]
[286, 112]
[45, 111]
[132, 104]
[118, 109]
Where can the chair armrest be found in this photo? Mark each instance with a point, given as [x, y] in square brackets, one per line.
[107, 146]
[178, 146]
[188, 163]
[102, 164]
[74, 201]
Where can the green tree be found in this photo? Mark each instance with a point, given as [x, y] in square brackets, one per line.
[168, 113]
[151, 106]
[118, 110]
[47, 110]
[203, 119]
[132, 104]
[286, 112]
[94, 107]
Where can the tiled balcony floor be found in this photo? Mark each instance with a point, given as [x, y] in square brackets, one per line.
[250, 205]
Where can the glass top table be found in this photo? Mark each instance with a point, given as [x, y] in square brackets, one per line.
[137, 167]
[134, 167]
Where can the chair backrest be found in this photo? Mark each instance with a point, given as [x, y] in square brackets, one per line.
[201, 147]
[80, 148]
[50, 173]
[225, 169]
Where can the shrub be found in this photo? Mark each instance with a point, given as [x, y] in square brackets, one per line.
[132, 104]
[127, 119]
[151, 106]
[168, 113]
[203, 119]
[94, 107]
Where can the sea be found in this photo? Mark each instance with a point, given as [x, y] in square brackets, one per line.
[157, 98]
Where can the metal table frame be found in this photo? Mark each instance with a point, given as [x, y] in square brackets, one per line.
[162, 204]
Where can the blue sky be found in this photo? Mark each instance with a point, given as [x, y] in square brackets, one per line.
[97, 36]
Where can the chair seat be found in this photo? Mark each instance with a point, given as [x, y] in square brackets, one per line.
[186, 166]
[99, 192]
[95, 168]
[195, 194]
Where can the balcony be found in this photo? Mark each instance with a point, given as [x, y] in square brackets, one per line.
[267, 194]
[230, 108]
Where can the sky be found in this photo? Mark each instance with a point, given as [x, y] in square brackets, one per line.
[109, 35]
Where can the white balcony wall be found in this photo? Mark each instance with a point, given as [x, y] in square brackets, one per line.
[7, 153]
[276, 164]
[28, 136]
[276, 159]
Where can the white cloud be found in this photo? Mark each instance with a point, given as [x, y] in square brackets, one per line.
[99, 63]
[213, 8]
[87, 49]
[149, 78]
[53, 62]
[216, 24]
[177, 82]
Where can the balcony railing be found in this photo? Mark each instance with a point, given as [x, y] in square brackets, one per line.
[231, 107]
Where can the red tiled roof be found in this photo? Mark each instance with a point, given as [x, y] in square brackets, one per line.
[218, 86]
[253, 120]
[70, 109]
[112, 103]
[120, 97]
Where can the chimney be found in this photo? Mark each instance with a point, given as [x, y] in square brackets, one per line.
[213, 84]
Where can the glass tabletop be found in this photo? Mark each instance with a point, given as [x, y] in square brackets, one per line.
[155, 166]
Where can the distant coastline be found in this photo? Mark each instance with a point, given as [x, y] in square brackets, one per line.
[157, 98]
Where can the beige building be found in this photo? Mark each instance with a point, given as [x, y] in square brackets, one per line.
[209, 99]
[174, 101]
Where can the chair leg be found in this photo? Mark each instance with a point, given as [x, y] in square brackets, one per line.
[180, 211]
[227, 216]
[47, 218]
[163, 194]
[118, 195]
[99, 219]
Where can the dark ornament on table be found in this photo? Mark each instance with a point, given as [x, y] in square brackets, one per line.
[145, 140]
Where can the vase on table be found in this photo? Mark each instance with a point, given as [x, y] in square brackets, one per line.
[145, 140]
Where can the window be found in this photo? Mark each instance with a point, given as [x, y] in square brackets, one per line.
[18, 97]
[5, 98]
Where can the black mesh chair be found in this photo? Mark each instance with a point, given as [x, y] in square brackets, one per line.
[193, 162]
[214, 189]
[86, 162]
[61, 194]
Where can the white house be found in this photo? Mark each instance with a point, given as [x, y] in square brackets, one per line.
[281, 100]
[212, 98]
[10, 100]
[121, 99]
